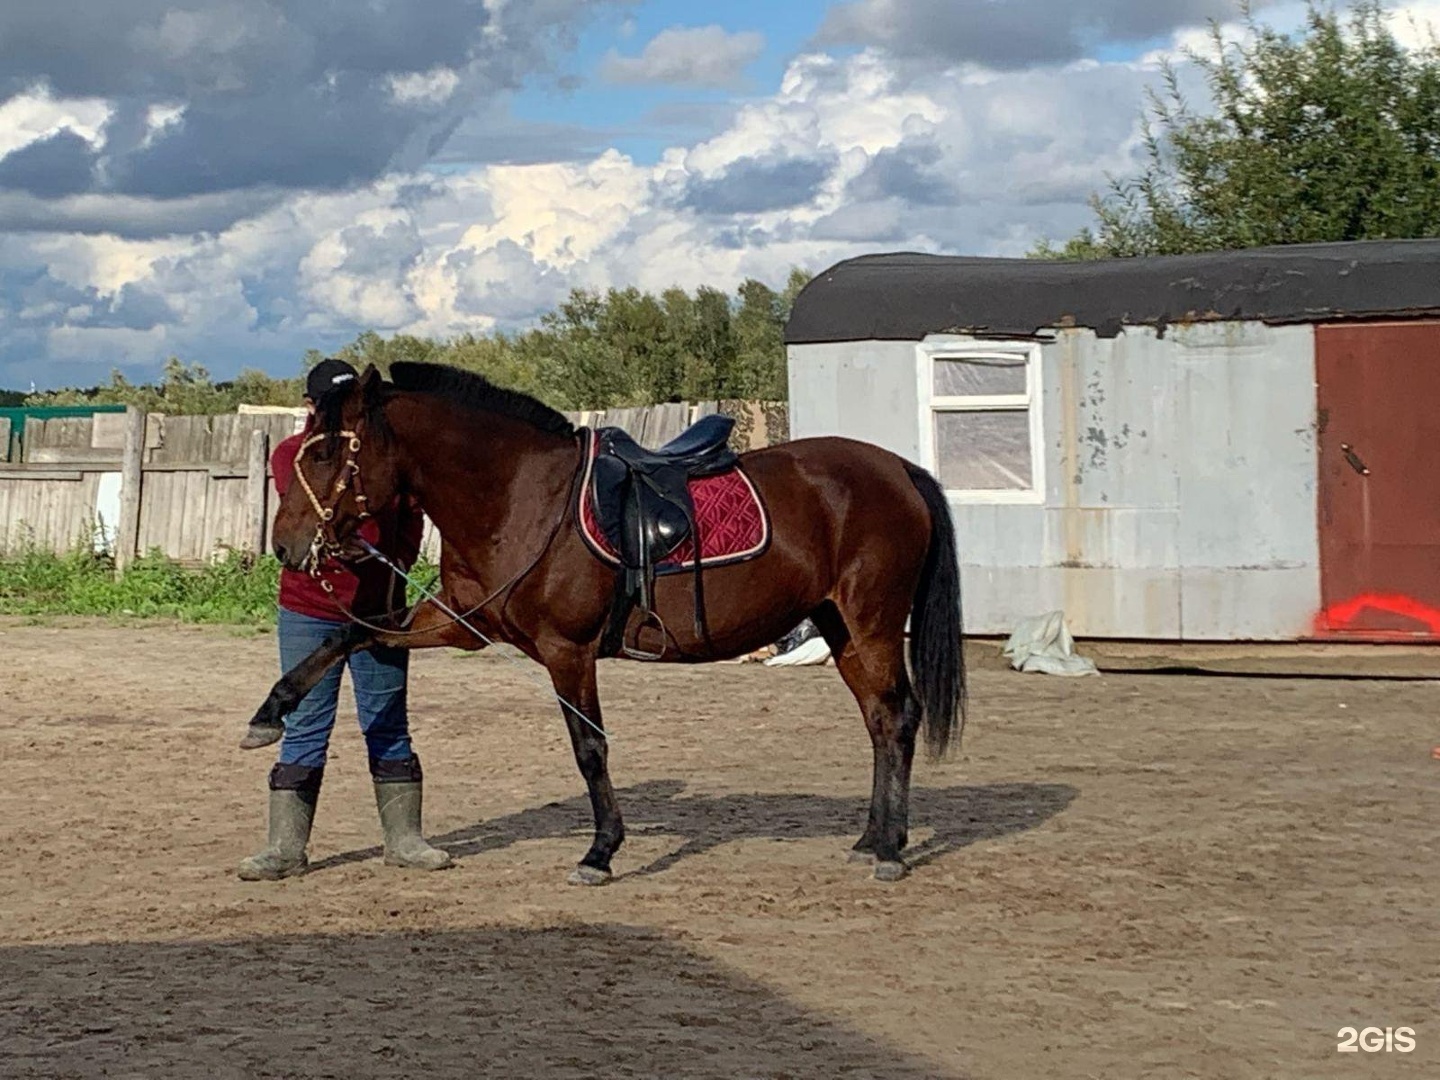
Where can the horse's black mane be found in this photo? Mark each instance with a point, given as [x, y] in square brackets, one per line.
[477, 392]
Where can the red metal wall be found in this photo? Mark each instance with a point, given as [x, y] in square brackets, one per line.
[1378, 387]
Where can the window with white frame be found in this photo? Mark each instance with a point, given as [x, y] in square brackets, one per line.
[982, 420]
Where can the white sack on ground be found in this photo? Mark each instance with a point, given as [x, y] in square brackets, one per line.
[1043, 645]
[802, 647]
[807, 653]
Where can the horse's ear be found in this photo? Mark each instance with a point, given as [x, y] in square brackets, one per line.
[370, 383]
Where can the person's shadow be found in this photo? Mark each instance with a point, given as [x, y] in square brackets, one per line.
[959, 816]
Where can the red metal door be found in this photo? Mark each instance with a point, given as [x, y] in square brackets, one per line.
[1379, 495]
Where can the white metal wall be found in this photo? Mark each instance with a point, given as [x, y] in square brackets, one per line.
[862, 390]
[1180, 479]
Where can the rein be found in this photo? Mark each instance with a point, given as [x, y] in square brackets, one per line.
[376, 553]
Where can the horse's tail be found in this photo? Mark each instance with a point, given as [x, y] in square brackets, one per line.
[937, 657]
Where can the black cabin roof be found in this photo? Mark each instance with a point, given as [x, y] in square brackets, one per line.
[907, 296]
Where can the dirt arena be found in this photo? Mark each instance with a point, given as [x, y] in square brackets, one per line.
[1133, 876]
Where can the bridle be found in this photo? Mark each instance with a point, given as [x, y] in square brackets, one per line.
[326, 544]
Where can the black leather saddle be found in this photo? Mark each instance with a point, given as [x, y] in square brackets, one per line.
[643, 505]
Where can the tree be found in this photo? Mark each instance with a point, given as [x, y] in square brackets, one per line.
[501, 359]
[797, 281]
[183, 389]
[371, 348]
[582, 366]
[253, 387]
[632, 328]
[679, 332]
[759, 372]
[711, 346]
[1331, 135]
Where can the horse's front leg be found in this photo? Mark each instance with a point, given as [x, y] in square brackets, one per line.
[427, 629]
[268, 724]
[573, 675]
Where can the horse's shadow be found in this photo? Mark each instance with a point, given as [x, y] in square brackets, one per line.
[959, 816]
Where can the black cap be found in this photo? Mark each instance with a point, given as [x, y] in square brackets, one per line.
[327, 376]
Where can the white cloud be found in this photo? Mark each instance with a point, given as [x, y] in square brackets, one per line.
[848, 154]
[1022, 155]
[688, 56]
[30, 117]
[561, 213]
[1416, 25]
[496, 245]
[355, 274]
[83, 346]
[104, 263]
[433, 87]
[1011, 36]
[160, 118]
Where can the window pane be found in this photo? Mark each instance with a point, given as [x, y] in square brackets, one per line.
[983, 451]
[980, 376]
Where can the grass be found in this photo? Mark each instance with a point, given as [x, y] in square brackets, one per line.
[236, 590]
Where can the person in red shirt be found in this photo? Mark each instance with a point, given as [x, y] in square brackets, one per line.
[310, 613]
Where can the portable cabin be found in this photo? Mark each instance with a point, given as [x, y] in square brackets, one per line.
[1216, 447]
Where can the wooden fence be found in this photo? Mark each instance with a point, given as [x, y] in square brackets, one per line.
[197, 487]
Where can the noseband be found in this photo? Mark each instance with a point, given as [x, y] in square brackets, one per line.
[326, 544]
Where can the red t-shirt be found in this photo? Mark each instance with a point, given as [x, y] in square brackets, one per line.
[369, 588]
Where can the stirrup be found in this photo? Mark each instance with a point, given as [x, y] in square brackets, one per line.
[650, 619]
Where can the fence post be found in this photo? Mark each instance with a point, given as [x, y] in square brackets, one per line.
[256, 487]
[127, 533]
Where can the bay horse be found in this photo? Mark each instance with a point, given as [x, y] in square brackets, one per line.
[860, 540]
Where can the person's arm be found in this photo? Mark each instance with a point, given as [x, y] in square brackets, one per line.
[410, 533]
[282, 463]
[397, 533]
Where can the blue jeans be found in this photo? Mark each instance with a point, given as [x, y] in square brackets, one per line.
[378, 677]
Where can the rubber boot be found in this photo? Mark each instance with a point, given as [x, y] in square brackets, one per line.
[399, 788]
[294, 792]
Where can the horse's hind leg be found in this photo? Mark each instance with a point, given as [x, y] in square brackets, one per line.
[873, 667]
[573, 674]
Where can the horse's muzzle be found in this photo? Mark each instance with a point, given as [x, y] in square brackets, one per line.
[290, 558]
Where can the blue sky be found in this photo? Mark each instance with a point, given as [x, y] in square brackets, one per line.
[236, 181]
[629, 110]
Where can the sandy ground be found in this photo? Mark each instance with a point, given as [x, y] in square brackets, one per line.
[1131, 876]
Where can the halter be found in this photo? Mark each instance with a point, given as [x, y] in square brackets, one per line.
[326, 543]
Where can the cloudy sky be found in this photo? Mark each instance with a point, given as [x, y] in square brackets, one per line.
[235, 181]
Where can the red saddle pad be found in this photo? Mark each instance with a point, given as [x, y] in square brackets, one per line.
[729, 515]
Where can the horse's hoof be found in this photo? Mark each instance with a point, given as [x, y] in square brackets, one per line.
[866, 857]
[588, 875]
[261, 735]
[889, 871]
